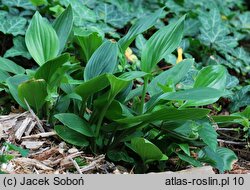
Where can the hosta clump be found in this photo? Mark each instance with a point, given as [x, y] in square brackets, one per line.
[103, 109]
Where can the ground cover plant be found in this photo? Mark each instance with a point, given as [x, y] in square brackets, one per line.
[139, 89]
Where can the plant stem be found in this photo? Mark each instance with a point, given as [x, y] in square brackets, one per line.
[144, 91]
[82, 109]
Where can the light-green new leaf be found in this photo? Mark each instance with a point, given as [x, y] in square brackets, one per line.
[162, 43]
[41, 40]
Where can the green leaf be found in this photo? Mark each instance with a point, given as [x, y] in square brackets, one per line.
[215, 77]
[139, 27]
[10, 24]
[189, 160]
[88, 42]
[222, 119]
[162, 43]
[86, 89]
[38, 2]
[185, 148]
[71, 136]
[147, 150]
[80, 11]
[196, 94]
[117, 155]
[23, 152]
[75, 123]
[111, 15]
[240, 99]
[3, 76]
[41, 40]
[13, 83]
[208, 134]
[10, 66]
[49, 69]
[25, 4]
[223, 158]
[63, 26]
[117, 111]
[167, 114]
[228, 157]
[214, 32]
[170, 76]
[211, 157]
[34, 92]
[19, 48]
[104, 60]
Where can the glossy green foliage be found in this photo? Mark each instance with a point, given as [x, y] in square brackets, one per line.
[162, 43]
[41, 40]
[34, 92]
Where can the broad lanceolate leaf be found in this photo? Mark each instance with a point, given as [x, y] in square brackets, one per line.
[3, 76]
[41, 40]
[10, 66]
[189, 160]
[163, 42]
[147, 150]
[71, 136]
[167, 114]
[196, 94]
[63, 26]
[75, 123]
[34, 92]
[228, 157]
[223, 158]
[140, 26]
[208, 134]
[12, 24]
[215, 77]
[47, 70]
[13, 83]
[104, 60]
[88, 43]
[86, 89]
[171, 76]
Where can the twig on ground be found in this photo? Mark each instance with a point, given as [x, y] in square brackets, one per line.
[232, 142]
[76, 165]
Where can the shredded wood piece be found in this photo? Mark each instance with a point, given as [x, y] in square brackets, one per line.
[76, 165]
[33, 145]
[40, 135]
[93, 164]
[31, 127]
[31, 162]
[19, 133]
[39, 123]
